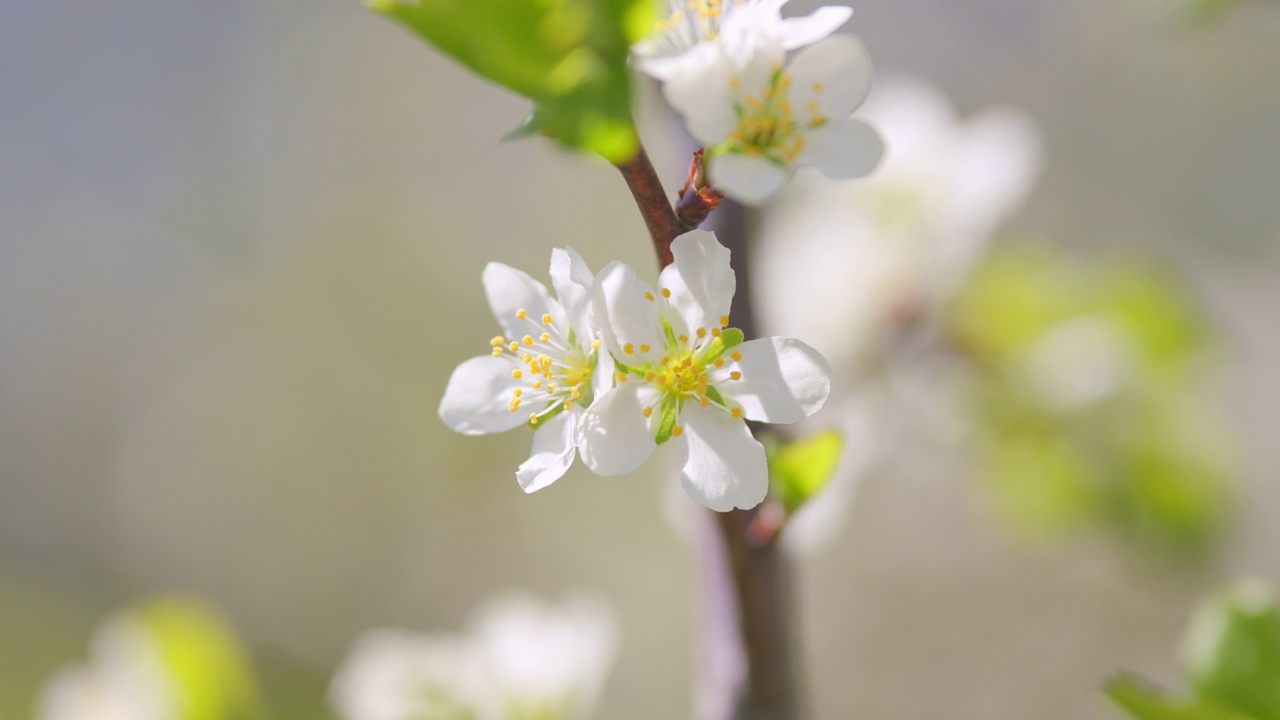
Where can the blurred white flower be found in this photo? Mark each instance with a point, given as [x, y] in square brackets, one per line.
[696, 31]
[523, 659]
[683, 377]
[760, 120]
[125, 679]
[546, 362]
[545, 661]
[400, 675]
[841, 263]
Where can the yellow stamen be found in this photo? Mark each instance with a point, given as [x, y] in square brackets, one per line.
[533, 418]
[568, 404]
[595, 344]
[702, 332]
[499, 340]
[536, 384]
[683, 338]
[628, 348]
[704, 401]
[517, 392]
[666, 293]
[735, 355]
[546, 319]
[715, 332]
[620, 377]
[644, 348]
[735, 375]
[719, 362]
[649, 377]
[677, 431]
[648, 296]
[522, 314]
[517, 374]
[544, 337]
[724, 321]
[514, 404]
[648, 412]
[497, 352]
[736, 413]
[528, 341]
[514, 346]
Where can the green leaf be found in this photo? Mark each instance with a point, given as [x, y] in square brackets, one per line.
[1232, 650]
[667, 418]
[210, 670]
[568, 56]
[1144, 701]
[801, 469]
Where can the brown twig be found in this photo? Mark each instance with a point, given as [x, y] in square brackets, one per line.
[658, 216]
[756, 563]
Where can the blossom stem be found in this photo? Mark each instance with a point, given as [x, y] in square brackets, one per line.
[756, 565]
[656, 210]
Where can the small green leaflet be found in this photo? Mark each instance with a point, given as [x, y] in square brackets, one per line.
[1144, 701]
[666, 418]
[801, 469]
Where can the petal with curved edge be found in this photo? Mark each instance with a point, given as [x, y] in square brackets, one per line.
[702, 93]
[554, 443]
[510, 290]
[626, 314]
[616, 436]
[801, 31]
[749, 179]
[700, 280]
[782, 380]
[476, 399]
[724, 466]
[572, 278]
[830, 79]
[843, 149]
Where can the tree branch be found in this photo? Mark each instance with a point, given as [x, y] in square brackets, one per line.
[656, 210]
[756, 563]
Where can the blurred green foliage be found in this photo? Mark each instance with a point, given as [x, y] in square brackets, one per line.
[568, 56]
[1088, 398]
[800, 470]
[209, 670]
[1231, 655]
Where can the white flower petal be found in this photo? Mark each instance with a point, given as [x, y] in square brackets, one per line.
[724, 466]
[700, 279]
[749, 179]
[783, 380]
[475, 400]
[554, 443]
[510, 290]
[843, 149]
[835, 75]
[625, 313]
[801, 31]
[702, 93]
[616, 436]
[572, 278]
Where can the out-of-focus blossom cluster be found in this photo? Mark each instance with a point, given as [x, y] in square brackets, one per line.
[521, 659]
[168, 660]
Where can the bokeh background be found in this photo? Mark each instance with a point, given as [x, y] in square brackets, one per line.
[240, 245]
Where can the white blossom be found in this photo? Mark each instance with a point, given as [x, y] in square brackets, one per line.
[682, 376]
[760, 120]
[544, 660]
[541, 372]
[843, 262]
[522, 659]
[394, 674]
[125, 679]
[694, 32]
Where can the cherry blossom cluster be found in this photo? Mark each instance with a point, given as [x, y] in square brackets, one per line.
[723, 67]
[612, 367]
